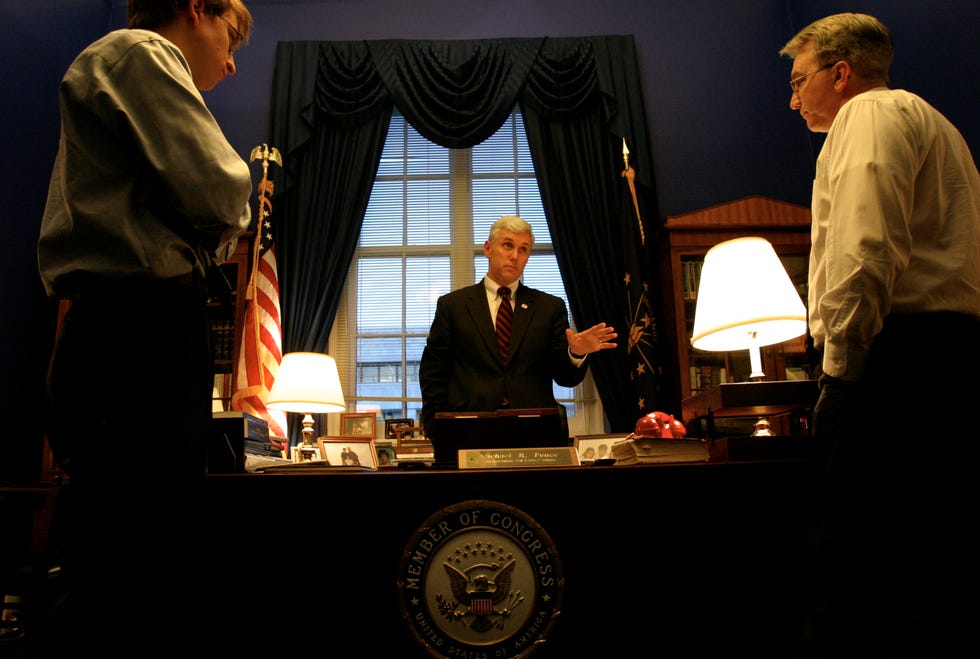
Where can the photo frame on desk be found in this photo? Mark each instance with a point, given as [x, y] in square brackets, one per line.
[393, 426]
[349, 451]
[596, 447]
[358, 425]
[386, 455]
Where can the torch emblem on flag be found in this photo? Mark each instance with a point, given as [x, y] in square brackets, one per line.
[261, 348]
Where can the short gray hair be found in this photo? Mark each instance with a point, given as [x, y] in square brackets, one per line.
[510, 223]
[859, 39]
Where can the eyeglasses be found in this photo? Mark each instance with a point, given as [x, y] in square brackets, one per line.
[796, 83]
[235, 43]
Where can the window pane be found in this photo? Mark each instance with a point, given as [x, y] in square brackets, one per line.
[413, 356]
[493, 197]
[383, 220]
[429, 278]
[379, 293]
[424, 157]
[425, 204]
[408, 153]
[384, 409]
[541, 272]
[379, 367]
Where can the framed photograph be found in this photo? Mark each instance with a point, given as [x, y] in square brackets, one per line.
[386, 455]
[393, 426]
[596, 447]
[357, 425]
[349, 451]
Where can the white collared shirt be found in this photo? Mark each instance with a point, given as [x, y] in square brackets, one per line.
[896, 198]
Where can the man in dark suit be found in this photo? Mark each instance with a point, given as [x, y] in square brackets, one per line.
[463, 368]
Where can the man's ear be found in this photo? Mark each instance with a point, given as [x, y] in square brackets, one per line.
[195, 11]
[842, 74]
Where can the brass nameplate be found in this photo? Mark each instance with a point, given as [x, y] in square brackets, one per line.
[557, 456]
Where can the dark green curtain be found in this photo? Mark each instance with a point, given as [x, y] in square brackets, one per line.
[332, 102]
[582, 100]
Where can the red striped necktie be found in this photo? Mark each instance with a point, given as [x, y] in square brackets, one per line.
[505, 319]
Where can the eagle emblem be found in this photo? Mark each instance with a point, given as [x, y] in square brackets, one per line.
[480, 579]
[478, 591]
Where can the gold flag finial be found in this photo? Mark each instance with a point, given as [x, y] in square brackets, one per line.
[265, 154]
[630, 176]
[264, 191]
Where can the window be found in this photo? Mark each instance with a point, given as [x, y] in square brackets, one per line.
[429, 214]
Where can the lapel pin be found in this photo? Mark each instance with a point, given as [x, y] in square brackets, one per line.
[523, 306]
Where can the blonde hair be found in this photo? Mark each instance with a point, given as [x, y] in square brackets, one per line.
[859, 39]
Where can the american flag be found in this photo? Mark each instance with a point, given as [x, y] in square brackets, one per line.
[261, 349]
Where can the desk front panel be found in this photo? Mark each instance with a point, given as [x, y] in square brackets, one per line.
[680, 560]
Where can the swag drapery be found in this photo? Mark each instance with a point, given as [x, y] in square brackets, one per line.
[331, 106]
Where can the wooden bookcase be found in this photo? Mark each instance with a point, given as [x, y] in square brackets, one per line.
[227, 323]
[680, 246]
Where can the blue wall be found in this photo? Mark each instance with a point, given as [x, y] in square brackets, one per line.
[715, 95]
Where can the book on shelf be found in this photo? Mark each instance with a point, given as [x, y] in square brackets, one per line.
[222, 339]
[706, 376]
[691, 277]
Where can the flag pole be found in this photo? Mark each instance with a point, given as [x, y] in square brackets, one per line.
[630, 176]
[265, 154]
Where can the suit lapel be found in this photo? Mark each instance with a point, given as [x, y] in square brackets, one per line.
[523, 314]
[479, 313]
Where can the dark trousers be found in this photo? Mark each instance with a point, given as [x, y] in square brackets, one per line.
[893, 555]
[128, 416]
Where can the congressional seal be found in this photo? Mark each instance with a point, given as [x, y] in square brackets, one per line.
[480, 580]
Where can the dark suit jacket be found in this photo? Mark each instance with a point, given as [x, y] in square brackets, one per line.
[461, 368]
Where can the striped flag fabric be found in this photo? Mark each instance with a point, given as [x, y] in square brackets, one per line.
[261, 349]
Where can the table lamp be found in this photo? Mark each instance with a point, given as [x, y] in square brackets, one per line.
[746, 300]
[307, 383]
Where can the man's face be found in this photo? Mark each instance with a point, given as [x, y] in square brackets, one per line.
[213, 56]
[815, 98]
[508, 255]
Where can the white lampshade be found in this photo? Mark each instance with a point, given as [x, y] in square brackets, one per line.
[307, 382]
[745, 298]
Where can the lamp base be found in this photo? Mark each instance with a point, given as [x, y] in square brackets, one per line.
[304, 453]
[307, 451]
[762, 428]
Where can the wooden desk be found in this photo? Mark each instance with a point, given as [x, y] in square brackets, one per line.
[679, 560]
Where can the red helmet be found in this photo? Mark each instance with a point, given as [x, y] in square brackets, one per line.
[648, 426]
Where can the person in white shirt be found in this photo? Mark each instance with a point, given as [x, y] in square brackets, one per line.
[894, 309]
[146, 196]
